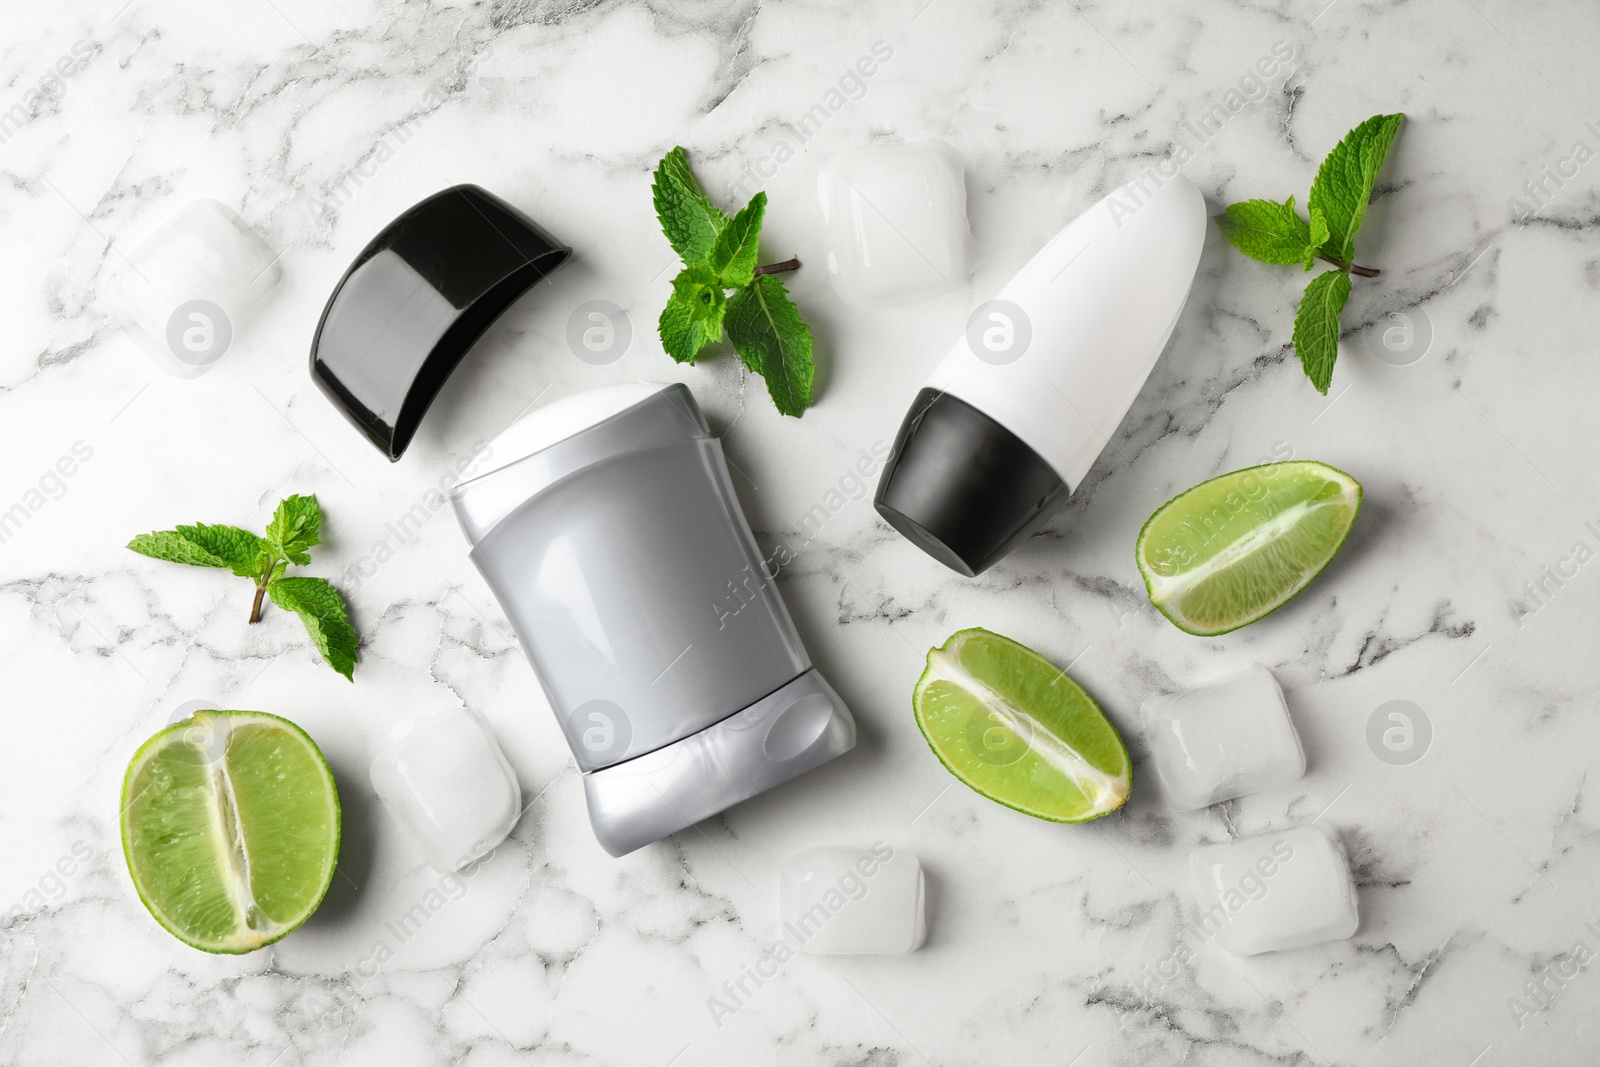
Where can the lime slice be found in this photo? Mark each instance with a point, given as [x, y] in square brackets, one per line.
[230, 825]
[1008, 723]
[1238, 547]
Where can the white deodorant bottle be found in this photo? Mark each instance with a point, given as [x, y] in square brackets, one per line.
[1013, 417]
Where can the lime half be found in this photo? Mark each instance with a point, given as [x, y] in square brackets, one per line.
[230, 825]
[1014, 727]
[1238, 547]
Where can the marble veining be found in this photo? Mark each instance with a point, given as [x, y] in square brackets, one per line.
[1462, 590]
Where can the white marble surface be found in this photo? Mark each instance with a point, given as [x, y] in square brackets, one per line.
[1477, 865]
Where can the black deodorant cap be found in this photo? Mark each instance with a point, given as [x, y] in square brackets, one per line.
[416, 299]
[962, 487]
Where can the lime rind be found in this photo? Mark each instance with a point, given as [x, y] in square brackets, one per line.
[215, 728]
[1163, 591]
[1032, 761]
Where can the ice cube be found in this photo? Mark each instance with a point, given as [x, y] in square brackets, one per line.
[445, 781]
[853, 902]
[187, 293]
[1226, 739]
[895, 218]
[1274, 891]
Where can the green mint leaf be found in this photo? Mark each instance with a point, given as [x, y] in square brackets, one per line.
[733, 257]
[1319, 235]
[693, 315]
[321, 608]
[205, 546]
[772, 340]
[295, 527]
[1316, 326]
[690, 221]
[1266, 230]
[1344, 182]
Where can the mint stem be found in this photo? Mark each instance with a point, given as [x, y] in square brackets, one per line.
[255, 609]
[792, 263]
[1356, 269]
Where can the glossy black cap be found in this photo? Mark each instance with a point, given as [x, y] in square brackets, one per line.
[962, 487]
[416, 299]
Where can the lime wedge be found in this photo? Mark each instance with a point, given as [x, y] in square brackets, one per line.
[1008, 723]
[1240, 546]
[230, 825]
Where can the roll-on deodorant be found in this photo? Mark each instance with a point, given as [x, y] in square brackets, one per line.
[1013, 417]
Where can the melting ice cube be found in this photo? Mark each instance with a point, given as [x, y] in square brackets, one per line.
[1274, 891]
[895, 216]
[1222, 740]
[185, 294]
[446, 782]
[853, 902]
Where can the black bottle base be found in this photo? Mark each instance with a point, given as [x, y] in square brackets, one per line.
[962, 487]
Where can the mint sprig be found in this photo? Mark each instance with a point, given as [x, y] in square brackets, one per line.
[1271, 232]
[296, 527]
[720, 254]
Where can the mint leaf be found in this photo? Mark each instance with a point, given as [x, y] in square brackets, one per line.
[295, 527]
[1267, 231]
[1275, 233]
[1316, 326]
[733, 257]
[720, 253]
[1319, 235]
[693, 315]
[690, 221]
[322, 609]
[205, 546]
[1344, 182]
[772, 340]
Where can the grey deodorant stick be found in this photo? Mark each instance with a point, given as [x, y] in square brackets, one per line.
[611, 536]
